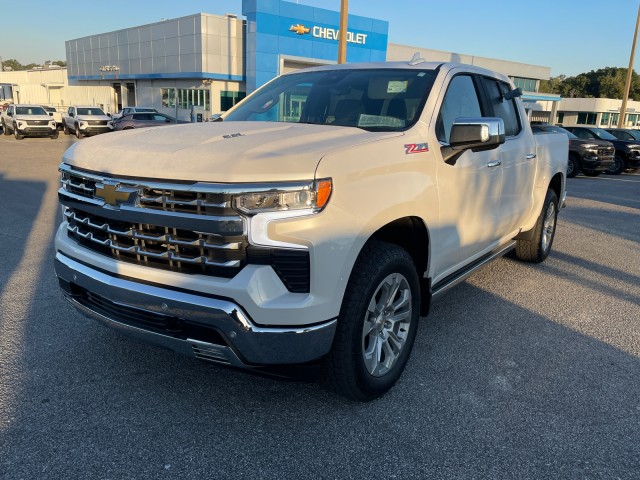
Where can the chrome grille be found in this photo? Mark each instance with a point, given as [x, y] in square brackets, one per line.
[199, 203]
[153, 245]
[97, 122]
[37, 122]
[606, 151]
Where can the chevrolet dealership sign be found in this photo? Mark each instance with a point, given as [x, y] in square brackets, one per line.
[328, 33]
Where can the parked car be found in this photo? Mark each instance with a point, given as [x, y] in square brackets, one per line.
[591, 157]
[28, 121]
[86, 120]
[130, 110]
[57, 116]
[627, 152]
[142, 120]
[625, 134]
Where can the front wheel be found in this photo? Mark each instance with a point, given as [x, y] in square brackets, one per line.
[16, 134]
[377, 323]
[53, 136]
[536, 248]
[79, 134]
[65, 129]
[573, 167]
[590, 173]
[617, 167]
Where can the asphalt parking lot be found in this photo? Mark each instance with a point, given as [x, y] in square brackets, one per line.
[523, 371]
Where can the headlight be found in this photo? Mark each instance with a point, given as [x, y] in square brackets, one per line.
[590, 146]
[313, 197]
[633, 146]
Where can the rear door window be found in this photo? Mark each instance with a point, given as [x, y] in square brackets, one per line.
[505, 109]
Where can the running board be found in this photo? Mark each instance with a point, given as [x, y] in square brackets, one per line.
[462, 275]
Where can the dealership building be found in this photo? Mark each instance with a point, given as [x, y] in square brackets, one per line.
[207, 63]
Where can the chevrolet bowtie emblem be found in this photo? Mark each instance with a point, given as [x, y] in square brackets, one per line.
[114, 194]
[299, 29]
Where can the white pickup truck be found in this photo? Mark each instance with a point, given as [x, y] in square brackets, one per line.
[316, 223]
[86, 120]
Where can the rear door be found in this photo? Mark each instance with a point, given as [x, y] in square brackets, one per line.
[518, 157]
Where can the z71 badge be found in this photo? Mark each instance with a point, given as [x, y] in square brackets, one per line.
[416, 148]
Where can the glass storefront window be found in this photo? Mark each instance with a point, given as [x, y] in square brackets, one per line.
[229, 99]
[185, 97]
[586, 118]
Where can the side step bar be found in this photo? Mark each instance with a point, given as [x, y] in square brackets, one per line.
[461, 275]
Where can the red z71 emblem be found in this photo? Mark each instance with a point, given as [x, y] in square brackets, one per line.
[416, 148]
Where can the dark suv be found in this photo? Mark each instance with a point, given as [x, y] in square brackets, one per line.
[592, 157]
[627, 152]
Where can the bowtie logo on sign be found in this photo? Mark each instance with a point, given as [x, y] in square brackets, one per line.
[328, 33]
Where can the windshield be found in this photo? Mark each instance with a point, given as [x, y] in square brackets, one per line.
[381, 99]
[90, 111]
[561, 130]
[603, 134]
[50, 109]
[30, 111]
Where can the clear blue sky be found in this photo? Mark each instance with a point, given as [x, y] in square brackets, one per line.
[570, 36]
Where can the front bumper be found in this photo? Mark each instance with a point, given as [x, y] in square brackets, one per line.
[194, 325]
[95, 130]
[597, 163]
[37, 131]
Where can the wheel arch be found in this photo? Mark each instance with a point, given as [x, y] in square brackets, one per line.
[412, 234]
[557, 185]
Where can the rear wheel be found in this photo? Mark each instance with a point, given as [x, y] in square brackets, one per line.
[573, 166]
[377, 324]
[617, 167]
[536, 249]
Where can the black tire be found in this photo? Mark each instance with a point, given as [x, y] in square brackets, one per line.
[617, 167]
[590, 173]
[359, 365]
[573, 166]
[79, 134]
[53, 136]
[537, 248]
[65, 129]
[5, 130]
[17, 134]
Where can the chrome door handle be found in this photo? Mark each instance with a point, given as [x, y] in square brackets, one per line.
[531, 156]
[497, 163]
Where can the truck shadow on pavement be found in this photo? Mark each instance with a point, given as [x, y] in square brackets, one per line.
[493, 390]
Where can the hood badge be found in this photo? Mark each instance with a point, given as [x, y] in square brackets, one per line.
[232, 135]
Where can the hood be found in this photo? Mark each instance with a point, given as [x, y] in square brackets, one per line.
[225, 152]
[93, 117]
[582, 141]
[25, 118]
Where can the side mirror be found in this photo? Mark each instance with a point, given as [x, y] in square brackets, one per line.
[51, 114]
[475, 134]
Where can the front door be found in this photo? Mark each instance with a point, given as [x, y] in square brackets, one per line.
[469, 191]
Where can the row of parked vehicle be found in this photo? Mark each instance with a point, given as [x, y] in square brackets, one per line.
[593, 150]
[23, 120]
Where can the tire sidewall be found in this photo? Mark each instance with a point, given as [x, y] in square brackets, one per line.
[618, 166]
[376, 386]
[575, 167]
[549, 199]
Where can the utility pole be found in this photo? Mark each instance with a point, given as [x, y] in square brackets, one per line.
[342, 41]
[627, 85]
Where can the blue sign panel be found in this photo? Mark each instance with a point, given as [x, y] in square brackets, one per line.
[278, 30]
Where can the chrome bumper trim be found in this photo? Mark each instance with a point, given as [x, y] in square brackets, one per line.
[248, 344]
